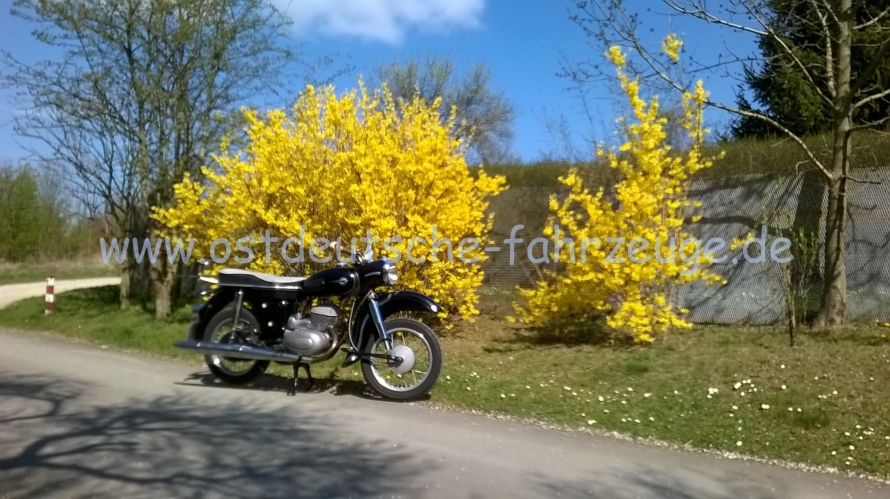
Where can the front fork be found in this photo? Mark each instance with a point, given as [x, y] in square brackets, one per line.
[377, 317]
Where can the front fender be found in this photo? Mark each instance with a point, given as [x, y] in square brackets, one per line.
[406, 301]
[391, 304]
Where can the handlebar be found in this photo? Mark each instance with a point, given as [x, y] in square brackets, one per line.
[353, 255]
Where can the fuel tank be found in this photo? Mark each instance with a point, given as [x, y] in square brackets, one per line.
[337, 281]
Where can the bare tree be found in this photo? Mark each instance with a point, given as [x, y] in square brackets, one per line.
[140, 98]
[485, 117]
[612, 22]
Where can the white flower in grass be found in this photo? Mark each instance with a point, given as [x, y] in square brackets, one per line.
[858, 427]
[782, 366]
[731, 415]
[575, 393]
[846, 433]
[624, 402]
[735, 408]
[737, 386]
[630, 389]
[791, 409]
[852, 448]
[764, 406]
[606, 411]
[834, 453]
[676, 392]
[651, 418]
[636, 421]
[742, 394]
[784, 387]
[647, 395]
[601, 399]
[503, 396]
[447, 377]
[567, 388]
[739, 443]
[712, 391]
[591, 421]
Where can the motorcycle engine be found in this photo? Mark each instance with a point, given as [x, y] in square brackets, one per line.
[312, 336]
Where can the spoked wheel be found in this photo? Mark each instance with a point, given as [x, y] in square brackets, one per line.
[220, 330]
[418, 347]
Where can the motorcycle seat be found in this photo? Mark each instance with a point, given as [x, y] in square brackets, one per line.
[249, 279]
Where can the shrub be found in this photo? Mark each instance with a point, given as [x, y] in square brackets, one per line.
[650, 204]
[339, 167]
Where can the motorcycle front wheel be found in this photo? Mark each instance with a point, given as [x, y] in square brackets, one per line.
[422, 360]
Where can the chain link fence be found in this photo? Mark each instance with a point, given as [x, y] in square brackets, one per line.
[733, 207]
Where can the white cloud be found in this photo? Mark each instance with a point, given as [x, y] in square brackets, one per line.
[380, 20]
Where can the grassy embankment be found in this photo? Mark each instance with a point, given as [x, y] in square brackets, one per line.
[11, 273]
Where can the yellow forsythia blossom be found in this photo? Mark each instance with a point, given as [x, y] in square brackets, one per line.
[338, 167]
[671, 46]
[650, 204]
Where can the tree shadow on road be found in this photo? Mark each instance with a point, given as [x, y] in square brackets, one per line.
[53, 443]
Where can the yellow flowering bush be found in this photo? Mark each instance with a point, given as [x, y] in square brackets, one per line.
[338, 167]
[646, 218]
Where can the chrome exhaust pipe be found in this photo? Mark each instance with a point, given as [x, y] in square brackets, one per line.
[235, 351]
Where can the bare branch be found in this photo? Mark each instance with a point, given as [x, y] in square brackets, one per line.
[791, 135]
[829, 50]
[872, 98]
[873, 20]
[767, 31]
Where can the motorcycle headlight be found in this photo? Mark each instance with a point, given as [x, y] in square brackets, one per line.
[389, 273]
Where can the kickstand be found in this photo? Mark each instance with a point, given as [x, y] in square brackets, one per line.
[309, 380]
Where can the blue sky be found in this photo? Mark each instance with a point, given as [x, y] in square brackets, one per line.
[521, 41]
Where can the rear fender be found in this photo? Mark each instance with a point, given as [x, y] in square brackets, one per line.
[203, 312]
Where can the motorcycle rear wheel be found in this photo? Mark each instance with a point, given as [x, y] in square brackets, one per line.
[385, 377]
[219, 330]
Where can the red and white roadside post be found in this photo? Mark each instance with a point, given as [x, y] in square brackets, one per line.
[50, 299]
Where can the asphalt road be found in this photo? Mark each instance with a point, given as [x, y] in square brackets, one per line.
[82, 421]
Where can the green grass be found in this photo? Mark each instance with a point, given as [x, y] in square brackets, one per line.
[493, 366]
[11, 273]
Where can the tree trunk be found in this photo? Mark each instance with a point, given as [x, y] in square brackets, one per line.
[125, 289]
[834, 294]
[163, 277]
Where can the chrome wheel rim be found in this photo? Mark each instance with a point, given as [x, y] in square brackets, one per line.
[423, 356]
[224, 334]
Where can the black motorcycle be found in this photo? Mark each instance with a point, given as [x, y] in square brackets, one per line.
[251, 319]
